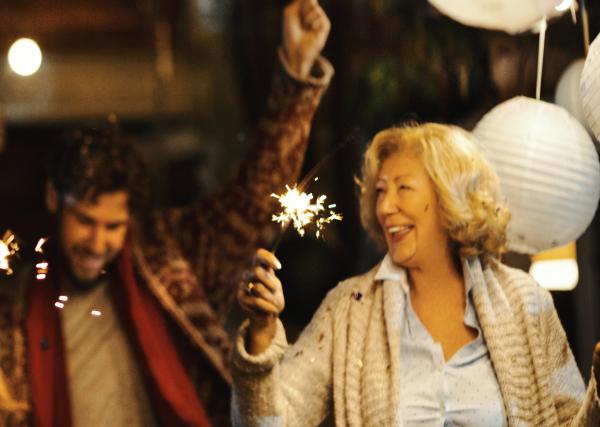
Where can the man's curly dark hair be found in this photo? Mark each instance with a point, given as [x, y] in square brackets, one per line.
[89, 162]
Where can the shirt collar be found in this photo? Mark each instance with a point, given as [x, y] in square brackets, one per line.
[388, 270]
[392, 272]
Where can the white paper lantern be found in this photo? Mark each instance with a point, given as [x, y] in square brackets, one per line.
[568, 94]
[548, 169]
[512, 16]
[590, 88]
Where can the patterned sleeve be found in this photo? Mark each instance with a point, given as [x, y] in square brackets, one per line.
[219, 235]
[575, 405]
[286, 385]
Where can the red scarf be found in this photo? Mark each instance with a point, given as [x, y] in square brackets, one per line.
[171, 390]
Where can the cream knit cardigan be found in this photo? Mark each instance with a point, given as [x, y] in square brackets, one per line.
[345, 364]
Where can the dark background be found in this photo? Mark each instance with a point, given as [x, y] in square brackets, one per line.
[188, 79]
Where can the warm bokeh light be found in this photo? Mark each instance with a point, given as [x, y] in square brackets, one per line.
[564, 5]
[25, 57]
[557, 268]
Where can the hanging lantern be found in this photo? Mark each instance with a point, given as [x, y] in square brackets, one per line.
[568, 94]
[590, 88]
[512, 16]
[548, 169]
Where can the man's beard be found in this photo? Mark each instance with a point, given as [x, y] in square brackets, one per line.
[80, 284]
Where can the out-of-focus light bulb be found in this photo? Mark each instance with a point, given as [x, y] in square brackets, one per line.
[556, 275]
[564, 5]
[556, 269]
[25, 57]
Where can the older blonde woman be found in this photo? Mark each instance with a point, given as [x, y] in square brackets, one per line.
[439, 333]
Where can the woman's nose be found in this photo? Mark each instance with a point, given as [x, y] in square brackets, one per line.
[387, 202]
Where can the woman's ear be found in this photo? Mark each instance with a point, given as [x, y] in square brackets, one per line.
[51, 197]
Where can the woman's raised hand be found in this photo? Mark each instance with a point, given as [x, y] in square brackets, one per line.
[305, 31]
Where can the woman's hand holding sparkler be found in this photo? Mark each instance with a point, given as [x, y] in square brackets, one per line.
[260, 295]
[305, 31]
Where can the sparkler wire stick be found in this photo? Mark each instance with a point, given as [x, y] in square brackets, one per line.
[585, 27]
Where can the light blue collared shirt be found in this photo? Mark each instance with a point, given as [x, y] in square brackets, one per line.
[462, 391]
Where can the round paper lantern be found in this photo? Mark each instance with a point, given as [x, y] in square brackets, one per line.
[512, 16]
[590, 88]
[548, 169]
[568, 94]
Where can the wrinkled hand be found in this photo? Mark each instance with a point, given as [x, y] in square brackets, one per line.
[305, 31]
[596, 364]
[260, 294]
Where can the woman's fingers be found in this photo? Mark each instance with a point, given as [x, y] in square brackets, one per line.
[260, 291]
[313, 16]
[267, 278]
[260, 300]
[267, 259]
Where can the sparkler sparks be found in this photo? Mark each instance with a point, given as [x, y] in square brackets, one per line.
[40, 244]
[300, 211]
[41, 267]
[8, 247]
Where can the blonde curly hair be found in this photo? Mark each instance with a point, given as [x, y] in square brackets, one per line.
[471, 205]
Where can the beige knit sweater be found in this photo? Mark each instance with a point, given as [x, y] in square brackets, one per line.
[345, 365]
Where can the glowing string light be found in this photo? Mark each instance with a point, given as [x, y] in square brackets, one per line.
[564, 5]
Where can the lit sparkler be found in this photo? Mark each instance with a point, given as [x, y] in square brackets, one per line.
[298, 207]
[42, 266]
[300, 211]
[8, 247]
[40, 245]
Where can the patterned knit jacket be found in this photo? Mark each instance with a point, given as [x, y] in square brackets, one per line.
[344, 368]
[192, 257]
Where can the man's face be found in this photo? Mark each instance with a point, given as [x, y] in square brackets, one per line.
[92, 233]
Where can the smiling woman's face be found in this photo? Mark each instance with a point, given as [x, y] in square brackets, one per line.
[408, 211]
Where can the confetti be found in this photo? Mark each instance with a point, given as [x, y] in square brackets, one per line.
[357, 296]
